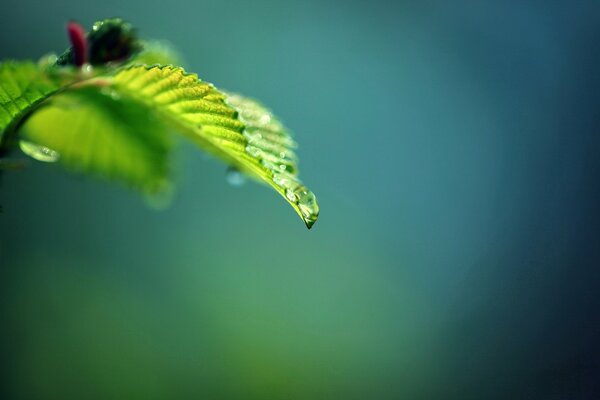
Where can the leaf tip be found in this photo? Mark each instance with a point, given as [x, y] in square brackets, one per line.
[309, 211]
[309, 224]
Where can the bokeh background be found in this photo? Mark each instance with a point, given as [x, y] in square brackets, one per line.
[453, 147]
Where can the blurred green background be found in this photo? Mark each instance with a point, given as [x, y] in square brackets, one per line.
[453, 147]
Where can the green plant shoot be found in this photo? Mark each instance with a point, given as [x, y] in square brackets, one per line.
[107, 106]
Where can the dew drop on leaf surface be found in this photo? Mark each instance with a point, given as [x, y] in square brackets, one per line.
[37, 152]
[253, 151]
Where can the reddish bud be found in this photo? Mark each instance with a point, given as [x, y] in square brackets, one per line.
[79, 43]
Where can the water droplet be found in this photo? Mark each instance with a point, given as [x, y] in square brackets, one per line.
[307, 203]
[87, 69]
[268, 165]
[235, 177]
[282, 167]
[264, 119]
[305, 196]
[291, 196]
[280, 180]
[37, 152]
[253, 137]
[282, 154]
[253, 151]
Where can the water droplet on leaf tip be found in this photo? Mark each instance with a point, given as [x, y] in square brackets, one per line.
[307, 204]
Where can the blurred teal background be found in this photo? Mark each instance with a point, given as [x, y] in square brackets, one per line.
[453, 147]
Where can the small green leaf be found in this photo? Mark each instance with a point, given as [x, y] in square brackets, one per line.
[98, 131]
[239, 131]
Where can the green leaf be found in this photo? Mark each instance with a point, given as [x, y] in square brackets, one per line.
[123, 139]
[271, 143]
[99, 132]
[23, 86]
[240, 131]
